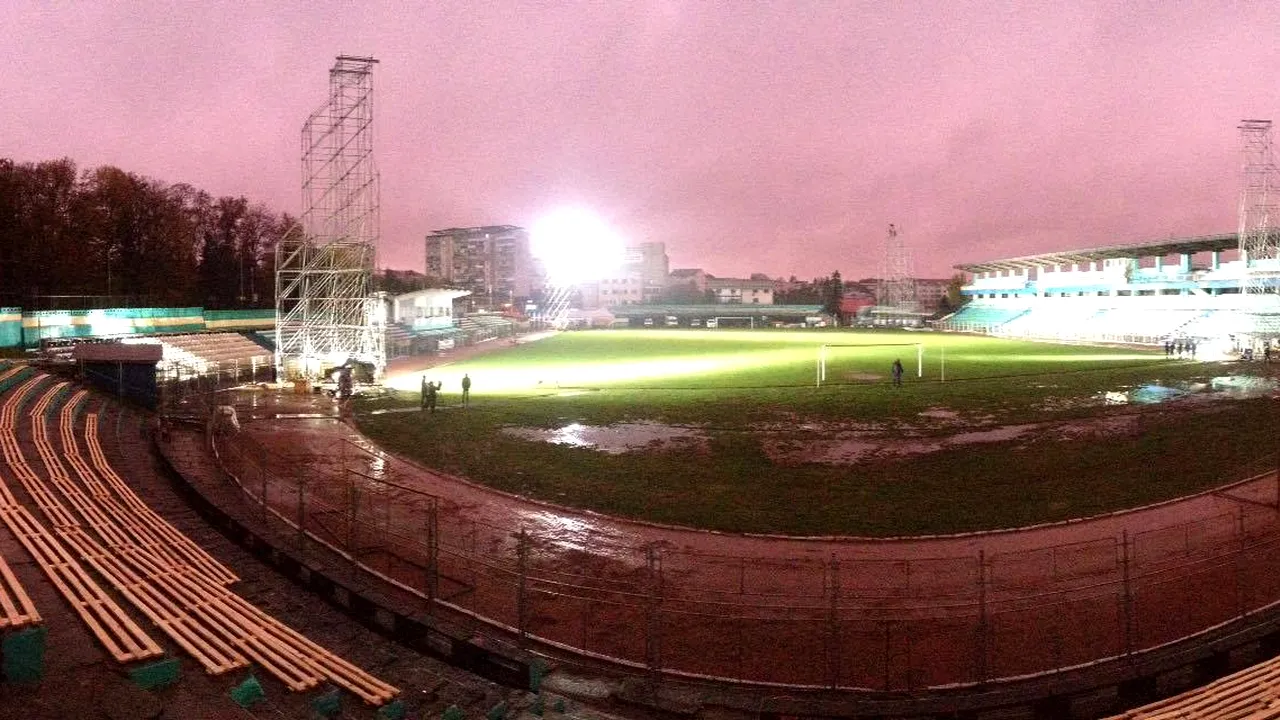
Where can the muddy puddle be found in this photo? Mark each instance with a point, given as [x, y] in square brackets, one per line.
[1224, 387]
[614, 439]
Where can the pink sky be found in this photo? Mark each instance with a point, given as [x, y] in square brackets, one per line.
[748, 136]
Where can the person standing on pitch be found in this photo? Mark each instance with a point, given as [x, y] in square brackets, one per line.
[466, 390]
[422, 394]
[896, 371]
[429, 392]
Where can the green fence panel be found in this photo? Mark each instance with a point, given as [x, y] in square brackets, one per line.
[24, 655]
[327, 705]
[156, 675]
[393, 710]
[248, 693]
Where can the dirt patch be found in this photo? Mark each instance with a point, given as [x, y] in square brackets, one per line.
[834, 446]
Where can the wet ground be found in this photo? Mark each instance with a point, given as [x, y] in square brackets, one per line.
[728, 597]
[937, 429]
[902, 612]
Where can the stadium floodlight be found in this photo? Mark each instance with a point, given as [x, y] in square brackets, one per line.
[575, 246]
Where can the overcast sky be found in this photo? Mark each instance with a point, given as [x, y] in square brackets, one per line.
[776, 137]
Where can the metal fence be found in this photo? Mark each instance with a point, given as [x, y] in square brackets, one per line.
[833, 619]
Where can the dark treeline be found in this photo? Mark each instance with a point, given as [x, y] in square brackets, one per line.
[123, 238]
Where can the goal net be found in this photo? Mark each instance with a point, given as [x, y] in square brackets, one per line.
[844, 364]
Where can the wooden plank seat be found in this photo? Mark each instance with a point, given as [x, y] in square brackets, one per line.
[123, 639]
[130, 568]
[10, 372]
[108, 489]
[218, 627]
[1249, 693]
[16, 608]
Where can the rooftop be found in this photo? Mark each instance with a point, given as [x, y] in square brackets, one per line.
[1157, 248]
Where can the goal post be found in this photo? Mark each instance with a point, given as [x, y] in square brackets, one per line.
[730, 321]
[825, 352]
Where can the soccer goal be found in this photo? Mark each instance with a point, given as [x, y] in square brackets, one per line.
[732, 321]
[840, 354]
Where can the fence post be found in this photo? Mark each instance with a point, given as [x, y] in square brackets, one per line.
[833, 626]
[1240, 612]
[888, 644]
[433, 556]
[302, 517]
[522, 559]
[353, 500]
[262, 475]
[1127, 601]
[652, 640]
[984, 628]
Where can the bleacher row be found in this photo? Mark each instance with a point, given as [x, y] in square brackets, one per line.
[1082, 323]
[404, 339]
[213, 349]
[93, 520]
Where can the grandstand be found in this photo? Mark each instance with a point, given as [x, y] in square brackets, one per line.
[1128, 294]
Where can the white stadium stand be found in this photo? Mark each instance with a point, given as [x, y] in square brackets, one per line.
[1127, 294]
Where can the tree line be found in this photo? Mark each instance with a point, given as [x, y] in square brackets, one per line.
[106, 237]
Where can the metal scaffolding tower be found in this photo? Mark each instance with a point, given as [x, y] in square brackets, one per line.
[555, 310]
[897, 288]
[326, 310]
[1259, 241]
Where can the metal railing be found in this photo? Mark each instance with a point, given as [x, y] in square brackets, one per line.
[838, 620]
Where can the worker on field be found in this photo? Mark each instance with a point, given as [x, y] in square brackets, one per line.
[466, 390]
[429, 392]
[896, 372]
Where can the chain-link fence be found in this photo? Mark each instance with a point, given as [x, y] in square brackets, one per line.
[835, 619]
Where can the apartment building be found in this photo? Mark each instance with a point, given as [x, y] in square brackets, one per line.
[492, 262]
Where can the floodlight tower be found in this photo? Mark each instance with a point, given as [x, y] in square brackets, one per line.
[1258, 237]
[897, 288]
[326, 310]
[555, 311]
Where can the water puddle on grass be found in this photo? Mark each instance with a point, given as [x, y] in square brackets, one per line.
[614, 439]
[1225, 387]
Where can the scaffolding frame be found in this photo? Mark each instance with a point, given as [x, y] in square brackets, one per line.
[326, 309]
[1259, 242]
[897, 287]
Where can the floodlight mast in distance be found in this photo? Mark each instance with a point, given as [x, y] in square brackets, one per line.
[326, 310]
[897, 288]
[1259, 240]
[574, 247]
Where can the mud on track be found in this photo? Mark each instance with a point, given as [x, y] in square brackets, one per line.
[878, 614]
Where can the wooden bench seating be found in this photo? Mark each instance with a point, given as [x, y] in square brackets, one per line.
[1252, 694]
[123, 639]
[183, 591]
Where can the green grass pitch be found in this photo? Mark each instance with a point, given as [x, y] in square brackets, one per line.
[748, 393]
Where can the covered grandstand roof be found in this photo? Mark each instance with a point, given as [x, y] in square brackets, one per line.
[1158, 248]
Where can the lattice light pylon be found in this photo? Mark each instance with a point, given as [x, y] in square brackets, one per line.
[897, 287]
[1259, 241]
[326, 310]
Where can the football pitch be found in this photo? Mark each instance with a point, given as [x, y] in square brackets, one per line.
[739, 431]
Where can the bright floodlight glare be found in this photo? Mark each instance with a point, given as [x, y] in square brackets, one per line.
[575, 246]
